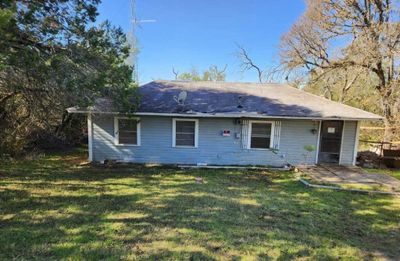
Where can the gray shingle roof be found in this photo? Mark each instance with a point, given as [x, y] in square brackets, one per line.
[237, 100]
[242, 98]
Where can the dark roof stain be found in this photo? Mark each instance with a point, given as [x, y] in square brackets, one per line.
[253, 98]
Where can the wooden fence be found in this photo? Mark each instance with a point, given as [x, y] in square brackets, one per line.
[379, 146]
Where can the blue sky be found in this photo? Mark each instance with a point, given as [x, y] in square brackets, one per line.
[199, 33]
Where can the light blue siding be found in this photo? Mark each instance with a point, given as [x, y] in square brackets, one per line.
[213, 148]
[348, 142]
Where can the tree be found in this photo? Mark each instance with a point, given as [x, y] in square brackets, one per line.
[264, 75]
[361, 36]
[247, 63]
[213, 73]
[53, 57]
[192, 75]
[176, 73]
[338, 86]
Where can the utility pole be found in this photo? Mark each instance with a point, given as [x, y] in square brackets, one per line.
[135, 24]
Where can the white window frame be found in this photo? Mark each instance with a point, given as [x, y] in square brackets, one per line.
[271, 143]
[196, 133]
[116, 131]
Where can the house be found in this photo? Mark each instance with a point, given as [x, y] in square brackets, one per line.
[221, 123]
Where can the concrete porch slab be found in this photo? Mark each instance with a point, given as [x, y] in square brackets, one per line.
[333, 174]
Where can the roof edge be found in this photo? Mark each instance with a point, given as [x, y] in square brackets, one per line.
[221, 115]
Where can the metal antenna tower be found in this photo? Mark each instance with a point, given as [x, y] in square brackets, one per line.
[135, 24]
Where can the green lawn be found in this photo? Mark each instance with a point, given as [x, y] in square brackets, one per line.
[392, 172]
[55, 208]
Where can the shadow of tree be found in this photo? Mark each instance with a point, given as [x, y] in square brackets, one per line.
[53, 211]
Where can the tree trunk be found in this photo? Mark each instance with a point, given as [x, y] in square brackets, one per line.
[66, 118]
[389, 120]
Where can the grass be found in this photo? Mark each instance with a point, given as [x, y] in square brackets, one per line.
[356, 186]
[392, 172]
[56, 208]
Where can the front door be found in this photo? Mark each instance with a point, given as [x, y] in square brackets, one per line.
[331, 139]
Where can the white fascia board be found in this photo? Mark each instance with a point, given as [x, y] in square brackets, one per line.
[226, 115]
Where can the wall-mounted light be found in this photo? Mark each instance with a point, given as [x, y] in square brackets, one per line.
[314, 131]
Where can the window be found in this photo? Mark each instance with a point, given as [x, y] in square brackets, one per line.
[185, 133]
[127, 131]
[261, 135]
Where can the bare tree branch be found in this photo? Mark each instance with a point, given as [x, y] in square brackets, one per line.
[342, 42]
[176, 73]
[248, 64]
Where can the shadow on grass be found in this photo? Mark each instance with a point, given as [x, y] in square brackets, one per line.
[55, 209]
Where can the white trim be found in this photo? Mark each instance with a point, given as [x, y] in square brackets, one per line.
[341, 143]
[244, 133]
[318, 142]
[277, 135]
[356, 143]
[271, 142]
[90, 136]
[227, 115]
[196, 133]
[116, 131]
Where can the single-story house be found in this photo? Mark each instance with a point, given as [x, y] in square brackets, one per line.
[222, 123]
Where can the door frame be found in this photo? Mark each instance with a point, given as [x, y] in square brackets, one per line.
[319, 141]
[341, 143]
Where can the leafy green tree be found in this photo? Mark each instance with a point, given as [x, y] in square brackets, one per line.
[213, 73]
[53, 57]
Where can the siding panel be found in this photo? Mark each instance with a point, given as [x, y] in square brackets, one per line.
[213, 148]
[348, 143]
